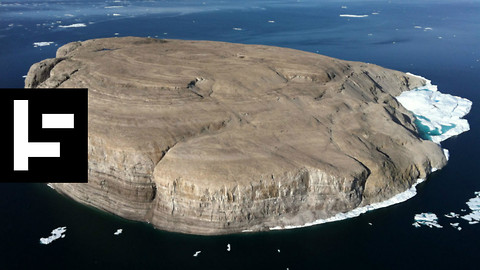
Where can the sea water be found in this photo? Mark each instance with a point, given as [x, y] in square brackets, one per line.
[438, 40]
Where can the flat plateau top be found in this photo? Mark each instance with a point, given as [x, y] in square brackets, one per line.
[221, 113]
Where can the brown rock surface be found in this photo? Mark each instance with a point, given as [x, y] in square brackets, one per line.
[212, 138]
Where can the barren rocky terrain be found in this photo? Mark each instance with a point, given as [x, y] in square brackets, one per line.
[208, 137]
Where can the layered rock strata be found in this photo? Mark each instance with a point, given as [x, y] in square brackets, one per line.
[212, 138]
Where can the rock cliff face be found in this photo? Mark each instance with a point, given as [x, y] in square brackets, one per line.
[213, 138]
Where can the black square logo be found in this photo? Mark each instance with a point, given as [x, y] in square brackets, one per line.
[47, 131]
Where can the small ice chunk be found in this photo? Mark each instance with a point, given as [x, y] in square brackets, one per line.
[455, 225]
[271, 21]
[427, 219]
[452, 215]
[237, 29]
[116, 14]
[446, 153]
[196, 253]
[118, 232]
[75, 25]
[369, 223]
[56, 234]
[278, 250]
[353, 16]
[42, 43]
[228, 247]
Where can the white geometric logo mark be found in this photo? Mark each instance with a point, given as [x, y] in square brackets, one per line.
[22, 148]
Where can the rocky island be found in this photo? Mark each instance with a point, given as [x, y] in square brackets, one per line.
[209, 138]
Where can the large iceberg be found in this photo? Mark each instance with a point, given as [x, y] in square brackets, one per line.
[437, 115]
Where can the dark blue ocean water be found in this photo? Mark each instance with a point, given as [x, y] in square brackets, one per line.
[439, 40]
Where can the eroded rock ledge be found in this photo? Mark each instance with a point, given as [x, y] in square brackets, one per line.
[213, 138]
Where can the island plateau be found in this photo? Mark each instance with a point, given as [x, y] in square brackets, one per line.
[206, 137]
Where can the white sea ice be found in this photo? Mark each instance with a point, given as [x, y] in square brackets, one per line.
[75, 25]
[446, 153]
[196, 253]
[401, 197]
[42, 43]
[229, 247]
[427, 219]
[474, 205]
[56, 234]
[353, 16]
[438, 115]
[455, 225]
[118, 232]
[452, 215]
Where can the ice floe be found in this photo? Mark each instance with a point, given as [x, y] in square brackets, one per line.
[438, 116]
[455, 225]
[426, 219]
[56, 234]
[452, 215]
[42, 43]
[474, 205]
[237, 29]
[118, 232]
[229, 247]
[196, 253]
[353, 16]
[75, 25]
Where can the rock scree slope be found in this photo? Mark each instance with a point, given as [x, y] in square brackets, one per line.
[209, 137]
